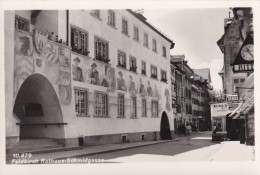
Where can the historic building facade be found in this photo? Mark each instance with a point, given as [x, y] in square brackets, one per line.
[193, 94]
[86, 77]
[237, 45]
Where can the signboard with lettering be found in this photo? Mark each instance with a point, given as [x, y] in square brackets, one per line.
[244, 61]
[243, 67]
[231, 98]
[219, 109]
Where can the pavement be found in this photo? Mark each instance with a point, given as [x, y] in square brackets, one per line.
[224, 151]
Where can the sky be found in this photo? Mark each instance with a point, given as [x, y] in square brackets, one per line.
[195, 33]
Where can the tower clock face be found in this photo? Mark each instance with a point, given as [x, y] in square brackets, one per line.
[247, 52]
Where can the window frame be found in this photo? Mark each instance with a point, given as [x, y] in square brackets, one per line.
[154, 44]
[146, 40]
[119, 52]
[155, 76]
[163, 79]
[101, 58]
[24, 20]
[125, 26]
[86, 112]
[111, 21]
[96, 113]
[133, 107]
[121, 115]
[164, 51]
[94, 13]
[144, 108]
[136, 33]
[81, 32]
[143, 70]
[157, 108]
[131, 67]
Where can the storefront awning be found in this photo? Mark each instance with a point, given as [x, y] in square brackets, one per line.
[236, 115]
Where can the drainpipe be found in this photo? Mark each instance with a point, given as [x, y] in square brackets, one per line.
[67, 27]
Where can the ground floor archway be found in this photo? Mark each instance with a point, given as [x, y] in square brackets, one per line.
[38, 108]
[165, 127]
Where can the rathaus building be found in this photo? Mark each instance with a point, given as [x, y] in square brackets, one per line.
[85, 77]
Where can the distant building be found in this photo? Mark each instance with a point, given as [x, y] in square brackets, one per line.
[193, 93]
[86, 77]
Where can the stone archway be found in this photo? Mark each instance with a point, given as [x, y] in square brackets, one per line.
[38, 108]
[165, 127]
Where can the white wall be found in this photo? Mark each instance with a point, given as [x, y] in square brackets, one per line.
[117, 40]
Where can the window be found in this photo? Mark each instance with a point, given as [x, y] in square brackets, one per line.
[121, 105]
[101, 50]
[236, 80]
[95, 13]
[133, 107]
[121, 59]
[132, 64]
[136, 34]
[144, 107]
[163, 76]
[124, 26]
[143, 68]
[154, 108]
[164, 51]
[242, 80]
[153, 72]
[154, 45]
[111, 18]
[101, 103]
[124, 138]
[81, 102]
[145, 40]
[79, 41]
[143, 136]
[21, 23]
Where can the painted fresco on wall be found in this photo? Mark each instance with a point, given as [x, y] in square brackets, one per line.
[46, 57]
[167, 97]
[94, 74]
[77, 71]
[121, 85]
[109, 79]
[149, 89]
[141, 88]
[131, 85]
[23, 60]
[156, 92]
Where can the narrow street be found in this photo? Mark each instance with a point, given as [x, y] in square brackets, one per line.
[200, 149]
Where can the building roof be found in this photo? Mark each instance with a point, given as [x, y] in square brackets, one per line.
[177, 58]
[143, 19]
[205, 73]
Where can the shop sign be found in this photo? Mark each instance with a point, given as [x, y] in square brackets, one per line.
[219, 109]
[231, 98]
[243, 67]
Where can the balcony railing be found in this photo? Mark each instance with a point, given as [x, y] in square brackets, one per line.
[154, 76]
[164, 80]
[102, 58]
[123, 65]
[80, 51]
[133, 69]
